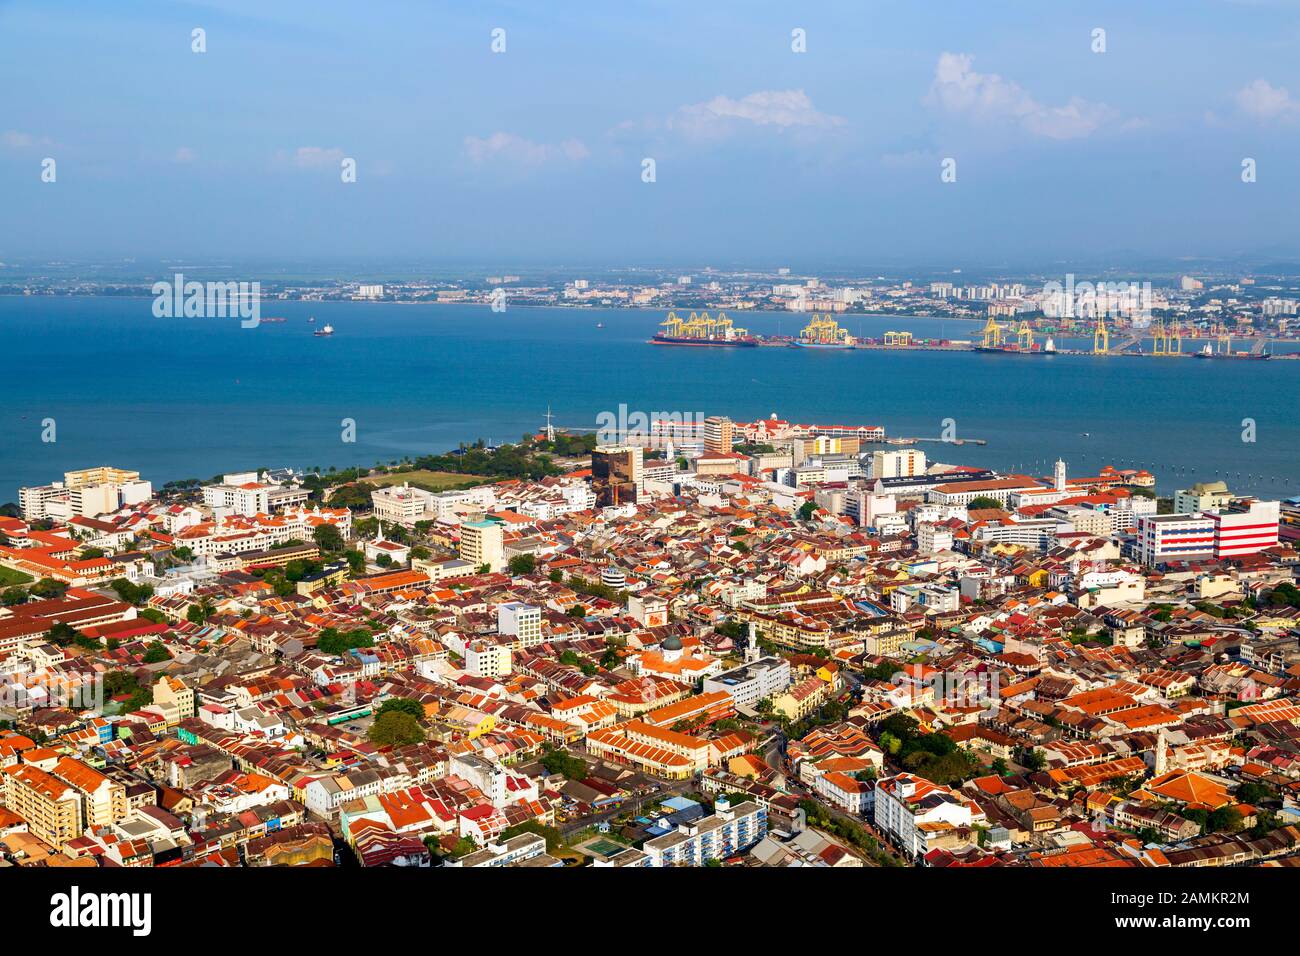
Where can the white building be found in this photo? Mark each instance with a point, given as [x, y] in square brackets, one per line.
[898, 464]
[911, 811]
[482, 543]
[1164, 538]
[730, 830]
[521, 621]
[1247, 528]
[246, 498]
[487, 659]
[752, 682]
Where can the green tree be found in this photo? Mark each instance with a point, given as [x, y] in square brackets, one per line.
[336, 642]
[522, 564]
[554, 838]
[395, 729]
[130, 592]
[62, 634]
[983, 503]
[328, 538]
[156, 654]
[403, 705]
[806, 511]
[13, 596]
[48, 588]
[1031, 758]
[566, 764]
[1225, 820]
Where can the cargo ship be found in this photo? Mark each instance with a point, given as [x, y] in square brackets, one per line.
[1013, 348]
[823, 332]
[326, 330]
[997, 338]
[1208, 353]
[703, 330]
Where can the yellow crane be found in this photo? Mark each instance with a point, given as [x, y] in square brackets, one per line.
[824, 330]
[992, 333]
[1101, 338]
[1025, 337]
[898, 338]
[1166, 339]
[1223, 339]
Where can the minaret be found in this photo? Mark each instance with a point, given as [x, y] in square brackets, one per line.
[1162, 752]
[1059, 474]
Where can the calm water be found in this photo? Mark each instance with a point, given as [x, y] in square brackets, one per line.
[182, 398]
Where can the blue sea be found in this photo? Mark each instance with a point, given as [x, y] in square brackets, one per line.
[191, 398]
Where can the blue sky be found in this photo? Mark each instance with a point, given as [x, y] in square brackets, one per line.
[763, 155]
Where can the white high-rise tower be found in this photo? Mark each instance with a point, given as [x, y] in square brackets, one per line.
[1059, 474]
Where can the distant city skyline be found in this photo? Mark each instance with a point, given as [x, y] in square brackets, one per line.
[762, 154]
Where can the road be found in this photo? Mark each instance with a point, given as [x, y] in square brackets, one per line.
[775, 755]
[665, 791]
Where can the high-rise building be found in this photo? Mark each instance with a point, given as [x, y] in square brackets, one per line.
[51, 807]
[898, 464]
[1246, 527]
[520, 621]
[616, 474]
[33, 500]
[483, 543]
[1164, 538]
[102, 475]
[1202, 496]
[88, 493]
[719, 435]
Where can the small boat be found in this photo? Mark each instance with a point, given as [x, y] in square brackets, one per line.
[1084, 435]
[600, 325]
[312, 319]
[324, 330]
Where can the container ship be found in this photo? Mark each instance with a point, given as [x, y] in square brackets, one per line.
[703, 329]
[1208, 353]
[1014, 348]
[997, 338]
[823, 332]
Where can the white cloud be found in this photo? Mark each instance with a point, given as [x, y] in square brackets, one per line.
[781, 109]
[526, 152]
[15, 139]
[959, 89]
[313, 157]
[1264, 101]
